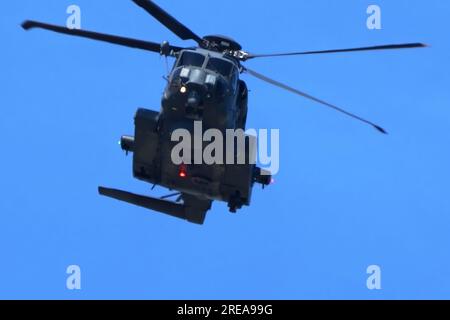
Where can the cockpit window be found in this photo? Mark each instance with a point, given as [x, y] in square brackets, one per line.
[221, 66]
[191, 59]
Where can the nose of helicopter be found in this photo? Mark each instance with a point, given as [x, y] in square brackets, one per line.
[195, 88]
[194, 99]
[192, 90]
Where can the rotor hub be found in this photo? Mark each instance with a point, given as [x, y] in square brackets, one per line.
[221, 43]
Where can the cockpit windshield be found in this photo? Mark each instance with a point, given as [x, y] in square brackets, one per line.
[189, 58]
[220, 66]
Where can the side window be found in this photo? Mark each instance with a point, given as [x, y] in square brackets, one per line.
[175, 78]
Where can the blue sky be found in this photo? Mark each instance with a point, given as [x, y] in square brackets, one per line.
[346, 197]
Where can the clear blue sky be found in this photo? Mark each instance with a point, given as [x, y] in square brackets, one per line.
[346, 197]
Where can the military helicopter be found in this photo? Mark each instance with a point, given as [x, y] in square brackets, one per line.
[204, 85]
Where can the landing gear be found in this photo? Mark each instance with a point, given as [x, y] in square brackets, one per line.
[236, 202]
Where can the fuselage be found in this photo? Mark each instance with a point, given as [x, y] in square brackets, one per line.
[203, 87]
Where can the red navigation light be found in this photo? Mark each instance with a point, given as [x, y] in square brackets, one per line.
[182, 171]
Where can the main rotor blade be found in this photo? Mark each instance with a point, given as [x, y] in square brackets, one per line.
[127, 42]
[373, 48]
[305, 95]
[167, 20]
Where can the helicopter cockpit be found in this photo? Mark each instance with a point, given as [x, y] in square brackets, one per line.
[205, 71]
[201, 78]
[217, 64]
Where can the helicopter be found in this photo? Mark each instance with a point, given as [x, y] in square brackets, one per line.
[204, 85]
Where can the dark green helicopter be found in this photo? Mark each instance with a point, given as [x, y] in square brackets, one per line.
[205, 86]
